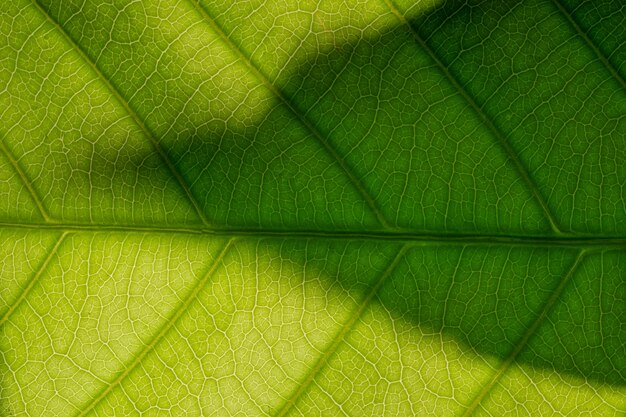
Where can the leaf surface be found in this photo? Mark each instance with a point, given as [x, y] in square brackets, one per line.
[312, 208]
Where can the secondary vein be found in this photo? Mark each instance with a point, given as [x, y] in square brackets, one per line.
[297, 113]
[523, 342]
[42, 269]
[25, 180]
[161, 333]
[590, 44]
[339, 338]
[495, 131]
[152, 138]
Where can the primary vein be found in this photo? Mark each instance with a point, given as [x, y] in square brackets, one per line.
[411, 236]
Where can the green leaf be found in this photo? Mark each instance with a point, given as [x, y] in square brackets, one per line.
[312, 208]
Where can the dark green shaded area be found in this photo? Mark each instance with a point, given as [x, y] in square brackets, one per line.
[497, 300]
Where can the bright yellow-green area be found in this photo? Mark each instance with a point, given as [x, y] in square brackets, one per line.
[545, 393]
[15, 201]
[253, 333]
[21, 255]
[312, 208]
[102, 299]
[84, 156]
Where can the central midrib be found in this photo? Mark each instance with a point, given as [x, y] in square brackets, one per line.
[588, 241]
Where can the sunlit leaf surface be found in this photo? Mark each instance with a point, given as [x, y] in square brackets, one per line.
[305, 208]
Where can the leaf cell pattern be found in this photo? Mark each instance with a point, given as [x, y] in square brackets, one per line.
[381, 207]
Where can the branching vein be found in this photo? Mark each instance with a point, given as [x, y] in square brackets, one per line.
[340, 336]
[160, 334]
[298, 114]
[497, 133]
[523, 342]
[131, 112]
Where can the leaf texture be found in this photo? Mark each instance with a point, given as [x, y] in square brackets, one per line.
[331, 208]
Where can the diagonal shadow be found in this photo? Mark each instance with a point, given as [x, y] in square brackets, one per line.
[272, 174]
[488, 297]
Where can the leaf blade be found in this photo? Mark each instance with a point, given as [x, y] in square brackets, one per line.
[297, 130]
